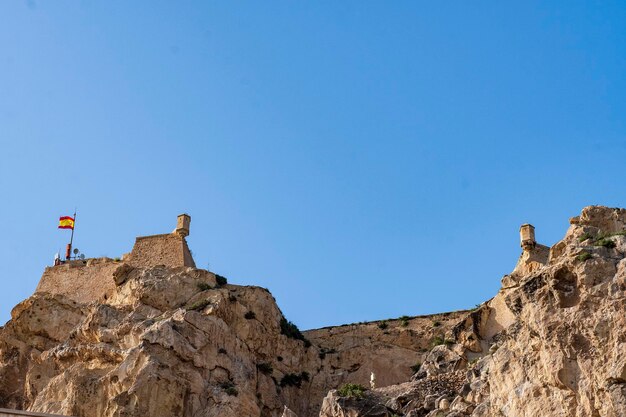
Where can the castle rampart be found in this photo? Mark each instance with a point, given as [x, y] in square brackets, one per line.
[82, 281]
[169, 249]
[89, 280]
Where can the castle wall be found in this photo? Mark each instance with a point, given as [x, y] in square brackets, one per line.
[169, 249]
[81, 281]
[91, 280]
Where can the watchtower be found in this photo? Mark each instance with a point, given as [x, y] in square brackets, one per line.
[527, 236]
[169, 249]
[182, 225]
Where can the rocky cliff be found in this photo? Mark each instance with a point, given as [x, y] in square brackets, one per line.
[178, 341]
[552, 342]
[163, 341]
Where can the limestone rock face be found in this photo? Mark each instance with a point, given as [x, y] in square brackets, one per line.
[168, 342]
[552, 342]
[565, 353]
[389, 348]
[163, 341]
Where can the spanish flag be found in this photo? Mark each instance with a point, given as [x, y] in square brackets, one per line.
[66, 222]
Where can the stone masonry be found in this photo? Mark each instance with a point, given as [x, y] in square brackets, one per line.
[89, 280]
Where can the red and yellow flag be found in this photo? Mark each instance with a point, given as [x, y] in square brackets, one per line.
[66, 222]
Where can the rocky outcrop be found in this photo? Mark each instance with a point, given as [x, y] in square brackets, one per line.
[163, 341]
[415, 398]
[390, 348]
[551, 343]
[168, 342]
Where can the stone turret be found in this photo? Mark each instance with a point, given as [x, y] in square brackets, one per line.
[182, 225]
[527, 236]
[534, 255]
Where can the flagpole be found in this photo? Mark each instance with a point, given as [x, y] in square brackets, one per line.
[68, 252]
[72, 237]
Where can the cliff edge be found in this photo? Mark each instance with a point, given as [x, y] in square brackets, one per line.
[552, 342]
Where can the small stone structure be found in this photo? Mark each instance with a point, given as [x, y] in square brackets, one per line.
[533, 257]
[182, 225]
[527, 236]
[89, 280]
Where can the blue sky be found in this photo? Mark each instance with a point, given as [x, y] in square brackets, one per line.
[362, 160]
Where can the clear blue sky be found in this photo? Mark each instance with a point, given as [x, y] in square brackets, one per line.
[361, 159]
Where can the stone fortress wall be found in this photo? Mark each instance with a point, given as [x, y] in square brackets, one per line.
[82, 281]
[169, 249]
[89, 280]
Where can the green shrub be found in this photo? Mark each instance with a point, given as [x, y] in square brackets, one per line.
[383, 325]
[605, 241]
[415, 368]
[291, 331]
[436, 323]
[583, 256]
[250, 315]
[294, 380]
[203, 286]
[437, 340]
[351, 390]
[220, 280]
[229, 388]
[404, 320]
[199, 305]
[265, 368]
[602, 238]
